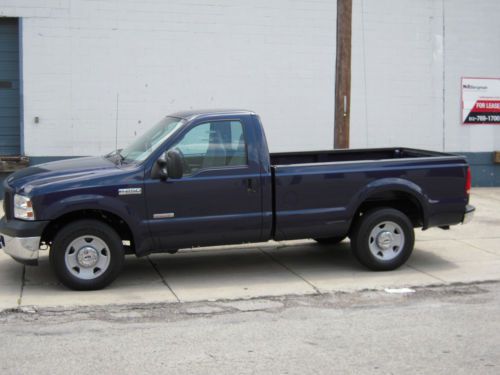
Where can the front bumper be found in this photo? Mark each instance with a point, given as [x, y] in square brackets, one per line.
[469, 214]
[23, 249]
[21, 239]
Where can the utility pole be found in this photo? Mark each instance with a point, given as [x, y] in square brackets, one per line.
[343, 74]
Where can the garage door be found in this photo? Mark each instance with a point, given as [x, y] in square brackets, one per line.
[9, 87]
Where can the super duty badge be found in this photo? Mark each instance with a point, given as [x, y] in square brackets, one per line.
[129, 191]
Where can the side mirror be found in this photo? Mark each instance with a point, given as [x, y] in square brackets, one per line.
[175, 165]
[168, 164]
[160, 171]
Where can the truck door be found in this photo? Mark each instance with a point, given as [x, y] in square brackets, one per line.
[218, 200]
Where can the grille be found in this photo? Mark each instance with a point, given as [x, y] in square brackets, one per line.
[7, 204]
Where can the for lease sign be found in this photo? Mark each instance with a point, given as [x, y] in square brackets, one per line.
[481, 101]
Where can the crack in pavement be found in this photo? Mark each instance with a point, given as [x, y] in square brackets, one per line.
[277, 261]
[425, 273]
[171, 312]
[23, 283]
[164, 281]
[479, 248]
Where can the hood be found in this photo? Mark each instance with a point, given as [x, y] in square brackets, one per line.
[69, 170]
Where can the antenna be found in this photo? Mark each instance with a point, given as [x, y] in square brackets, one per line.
[116, 117]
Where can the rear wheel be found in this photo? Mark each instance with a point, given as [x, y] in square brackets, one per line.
[330, 240]
[383, 239]
[87, 255]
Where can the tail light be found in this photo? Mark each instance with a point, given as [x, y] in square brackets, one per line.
[468, 181]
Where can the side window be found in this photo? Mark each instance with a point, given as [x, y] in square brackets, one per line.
[195, 142]
[215, 144]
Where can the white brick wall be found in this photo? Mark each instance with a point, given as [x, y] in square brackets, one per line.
[472, 40]
[396, 79]
[277, 58]
[408, 59]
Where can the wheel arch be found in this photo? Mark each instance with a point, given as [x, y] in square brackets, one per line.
[396, 193]
[115, 221]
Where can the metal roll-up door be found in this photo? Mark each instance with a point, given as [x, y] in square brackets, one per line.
[10, 139]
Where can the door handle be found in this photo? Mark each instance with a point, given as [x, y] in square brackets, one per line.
[250, 188]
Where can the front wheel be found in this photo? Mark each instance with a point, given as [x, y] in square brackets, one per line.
[383, 239]
[87, 255]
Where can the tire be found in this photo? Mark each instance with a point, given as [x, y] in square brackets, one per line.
[383, 239]
[330, 240]
[87, 255]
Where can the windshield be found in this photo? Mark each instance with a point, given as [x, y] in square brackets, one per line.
[147, 143]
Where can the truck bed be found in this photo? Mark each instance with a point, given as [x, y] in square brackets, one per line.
[328, 156]
[318, 193]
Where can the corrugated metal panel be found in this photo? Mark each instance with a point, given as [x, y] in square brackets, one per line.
[10, 140]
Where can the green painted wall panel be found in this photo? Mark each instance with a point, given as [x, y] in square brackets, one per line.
[10, 138]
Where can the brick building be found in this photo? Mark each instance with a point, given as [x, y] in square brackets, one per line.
[78, 77]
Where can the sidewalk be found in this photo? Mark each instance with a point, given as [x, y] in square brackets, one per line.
[463, 254]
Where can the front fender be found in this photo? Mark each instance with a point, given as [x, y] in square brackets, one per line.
[124, 210]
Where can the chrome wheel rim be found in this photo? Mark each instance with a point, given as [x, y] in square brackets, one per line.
[386, 240]
[87, 257]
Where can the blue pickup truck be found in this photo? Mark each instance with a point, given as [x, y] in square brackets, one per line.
[201, 178]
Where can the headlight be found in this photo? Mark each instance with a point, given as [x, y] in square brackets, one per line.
[23, 208]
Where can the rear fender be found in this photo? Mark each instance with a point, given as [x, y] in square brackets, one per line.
[390, 185]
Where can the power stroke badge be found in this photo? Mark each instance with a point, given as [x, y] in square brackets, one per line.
[130, 191]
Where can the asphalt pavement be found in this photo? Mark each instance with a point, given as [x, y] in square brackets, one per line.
[435, 330]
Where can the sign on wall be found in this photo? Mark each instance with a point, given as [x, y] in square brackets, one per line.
[481, 101]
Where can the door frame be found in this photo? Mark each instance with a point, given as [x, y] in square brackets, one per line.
[253, 165]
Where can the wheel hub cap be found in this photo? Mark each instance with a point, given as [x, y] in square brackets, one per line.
[385, 240]
[87, 257]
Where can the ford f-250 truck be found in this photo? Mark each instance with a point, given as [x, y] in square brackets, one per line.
[202, 178]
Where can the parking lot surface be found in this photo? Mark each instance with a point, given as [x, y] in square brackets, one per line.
[464, 254]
